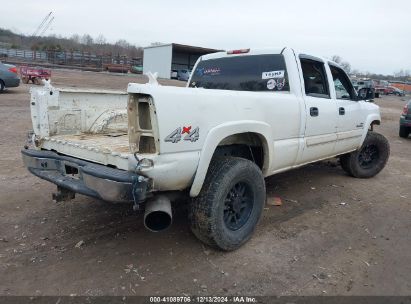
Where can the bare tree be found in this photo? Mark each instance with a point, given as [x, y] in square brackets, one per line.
[344, 64]
[86, 39]
[123, 43]
[336, 59]
[100, 39]
[75, 38]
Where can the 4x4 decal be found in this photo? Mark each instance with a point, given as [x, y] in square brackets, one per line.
[175, 136]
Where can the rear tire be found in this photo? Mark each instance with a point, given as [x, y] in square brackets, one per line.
[404, 132]
[370, 159]
[2, 86]
[229, 206]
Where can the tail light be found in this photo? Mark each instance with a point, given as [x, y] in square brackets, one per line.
[405, 110]
[141, 131]
[13, 70]
[242, 51]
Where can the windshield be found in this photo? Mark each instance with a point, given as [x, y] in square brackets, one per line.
[242, 73]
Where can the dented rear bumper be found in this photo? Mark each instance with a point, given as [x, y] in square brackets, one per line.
[84, 177]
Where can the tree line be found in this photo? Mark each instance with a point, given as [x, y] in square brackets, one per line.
[82, 43]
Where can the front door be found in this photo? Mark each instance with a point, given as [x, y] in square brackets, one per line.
[350, 123]
[321, 112]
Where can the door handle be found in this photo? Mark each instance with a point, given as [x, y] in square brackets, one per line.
[314, 111]
[341, 111]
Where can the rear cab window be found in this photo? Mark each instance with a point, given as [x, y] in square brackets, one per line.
[255, 73]
[315, 78]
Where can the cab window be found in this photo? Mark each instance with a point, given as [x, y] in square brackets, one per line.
[256, 73]
[315, 78]
[342, 84]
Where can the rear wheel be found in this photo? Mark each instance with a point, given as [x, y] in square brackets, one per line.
[370, 159]
[2, 86]
[404, 131]
[229, 206]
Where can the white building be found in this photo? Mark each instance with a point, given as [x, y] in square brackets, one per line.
[168, 57]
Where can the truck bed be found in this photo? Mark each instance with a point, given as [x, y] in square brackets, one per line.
[91, 125]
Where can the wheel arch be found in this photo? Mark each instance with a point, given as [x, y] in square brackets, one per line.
[239, 132]
[373, 119]
[374, 122]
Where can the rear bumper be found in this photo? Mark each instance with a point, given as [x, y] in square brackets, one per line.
[109, 184]
[405, 121]
[11, 82]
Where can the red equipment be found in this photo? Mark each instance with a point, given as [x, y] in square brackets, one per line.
[35, 75]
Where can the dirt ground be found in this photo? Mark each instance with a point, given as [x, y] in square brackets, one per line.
[334, 235]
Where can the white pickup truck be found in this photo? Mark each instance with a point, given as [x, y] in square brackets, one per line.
[244, 115]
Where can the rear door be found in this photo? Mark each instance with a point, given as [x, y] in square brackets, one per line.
[321, 110]
[350, 122]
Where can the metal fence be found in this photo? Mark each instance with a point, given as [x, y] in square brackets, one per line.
[75, 58]
[23, 54]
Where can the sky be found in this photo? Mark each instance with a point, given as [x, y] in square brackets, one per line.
[372, 35]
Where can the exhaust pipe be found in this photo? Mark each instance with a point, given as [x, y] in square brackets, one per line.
[158, 215]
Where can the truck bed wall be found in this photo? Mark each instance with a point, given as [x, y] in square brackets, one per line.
[70, 111]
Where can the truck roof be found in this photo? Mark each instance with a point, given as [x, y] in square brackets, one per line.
[259, 51]
[262, 51]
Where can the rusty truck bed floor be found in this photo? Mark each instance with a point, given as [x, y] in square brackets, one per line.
[111, 142]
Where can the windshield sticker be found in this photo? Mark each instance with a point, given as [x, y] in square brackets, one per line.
[271, 84]
[208, 71]
[280, 84]
[212, 71]
[273, 74]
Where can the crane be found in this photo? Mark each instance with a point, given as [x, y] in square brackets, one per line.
[43, 25]
[46, 27]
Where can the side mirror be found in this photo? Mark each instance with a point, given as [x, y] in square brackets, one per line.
[366, 94]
